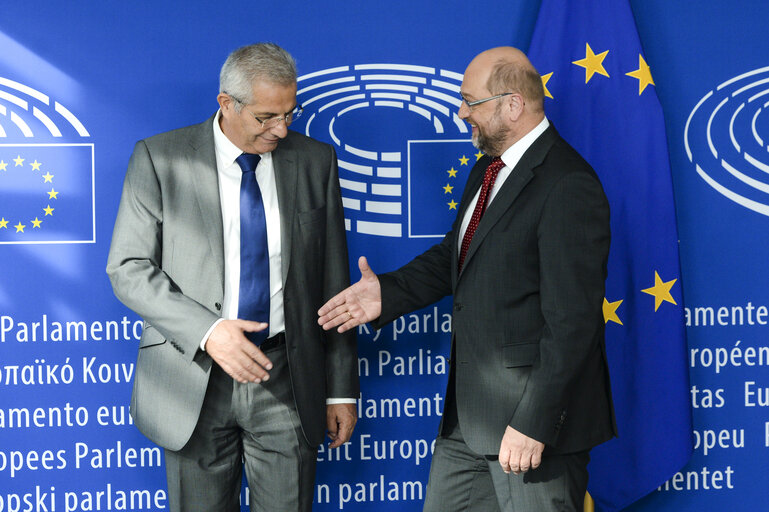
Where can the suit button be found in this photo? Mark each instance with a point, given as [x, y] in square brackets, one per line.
[218, 306]
[458, 307]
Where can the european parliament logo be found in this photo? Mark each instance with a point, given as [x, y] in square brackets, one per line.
[46, 188]
[404, 155]
[727, 139]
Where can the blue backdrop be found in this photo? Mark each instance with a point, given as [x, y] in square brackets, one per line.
[81, 82]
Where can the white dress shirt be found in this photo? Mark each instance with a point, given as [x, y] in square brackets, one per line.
[229, 173]
[510, 157]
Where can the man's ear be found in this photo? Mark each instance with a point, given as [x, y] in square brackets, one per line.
[515, 106]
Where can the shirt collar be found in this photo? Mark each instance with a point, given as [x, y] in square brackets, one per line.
[514, 153]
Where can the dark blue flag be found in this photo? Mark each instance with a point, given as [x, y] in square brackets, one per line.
[601, 97]
[438, 171]
[46, 193]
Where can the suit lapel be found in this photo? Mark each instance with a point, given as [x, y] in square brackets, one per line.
[284, 166]
[201, 161]
[514, 184]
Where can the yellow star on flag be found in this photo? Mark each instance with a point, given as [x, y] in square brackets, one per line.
[592, 63]
[52, 194]
[478, 155]
[36, 223]
[3, 223]
[48, 210]
[3, 165]
[643, 74]
[610, 311]
[18, 161]
[35, 165]
[452, 205]
[48, 177]
[545, 79]
[452, 173]
[660, 291]
[463, 160]
[447, 189]
[20, 227]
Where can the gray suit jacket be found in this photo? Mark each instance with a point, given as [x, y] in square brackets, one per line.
[528, 344]
[166, 263]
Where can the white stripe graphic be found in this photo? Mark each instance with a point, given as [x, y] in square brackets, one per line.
[327, 82]
[392, 87]
[397, 67]
[353, 107]
[29, 91]
[74, 121]
[379, 228]
[355, 186]
[731, 127]
[388, 172]
[322, 72]
[391, 157]
[371, 155]
[453, 100]
[14, 99]
[384, 103]
[331, 93]
[435, 106]
[396, 78]
[359, 169]
[46, 121]
[21, 124]
[421, 111]
[342, 100]
[386, 190]
[383, 207]
[352, 204]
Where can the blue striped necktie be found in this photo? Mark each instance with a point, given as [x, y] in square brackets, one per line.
[254, 294]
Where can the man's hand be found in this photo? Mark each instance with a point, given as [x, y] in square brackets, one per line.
[519, 453]
[340, 421]
[236, 354]
[356, 305]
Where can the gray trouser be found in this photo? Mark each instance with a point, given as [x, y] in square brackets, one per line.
[251, 425]
[461, 480]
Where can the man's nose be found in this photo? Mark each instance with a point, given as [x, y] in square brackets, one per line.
[281, 129]
[464, 110]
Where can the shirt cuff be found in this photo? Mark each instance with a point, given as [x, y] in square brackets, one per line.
[334, 401]
[208, 333]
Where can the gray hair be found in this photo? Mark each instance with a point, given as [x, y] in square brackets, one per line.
[261, 61]
[514, 77]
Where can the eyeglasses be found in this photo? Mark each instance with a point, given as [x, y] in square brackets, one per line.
[273, 121]
[471, 104]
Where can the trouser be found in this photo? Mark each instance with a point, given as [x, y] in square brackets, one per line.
[462, 480]
[255, 426]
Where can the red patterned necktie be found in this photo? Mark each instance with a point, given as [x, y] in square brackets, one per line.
[480, 207]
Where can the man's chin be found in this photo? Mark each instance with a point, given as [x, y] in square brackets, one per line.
[264, 146]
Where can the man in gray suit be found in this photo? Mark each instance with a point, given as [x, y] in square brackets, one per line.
[213, 219]
[528, 392]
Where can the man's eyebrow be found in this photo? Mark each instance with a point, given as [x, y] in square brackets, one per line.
[262, 114]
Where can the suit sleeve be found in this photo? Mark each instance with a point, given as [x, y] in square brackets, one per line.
[573, 239]
[341, 349]
[135, 260]
[419, 283]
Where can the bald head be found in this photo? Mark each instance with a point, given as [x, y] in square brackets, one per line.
[507, 69]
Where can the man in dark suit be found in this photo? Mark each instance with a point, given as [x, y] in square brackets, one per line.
[230, 232]
[528, 392]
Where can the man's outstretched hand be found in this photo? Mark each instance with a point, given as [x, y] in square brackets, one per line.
[356, 305]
